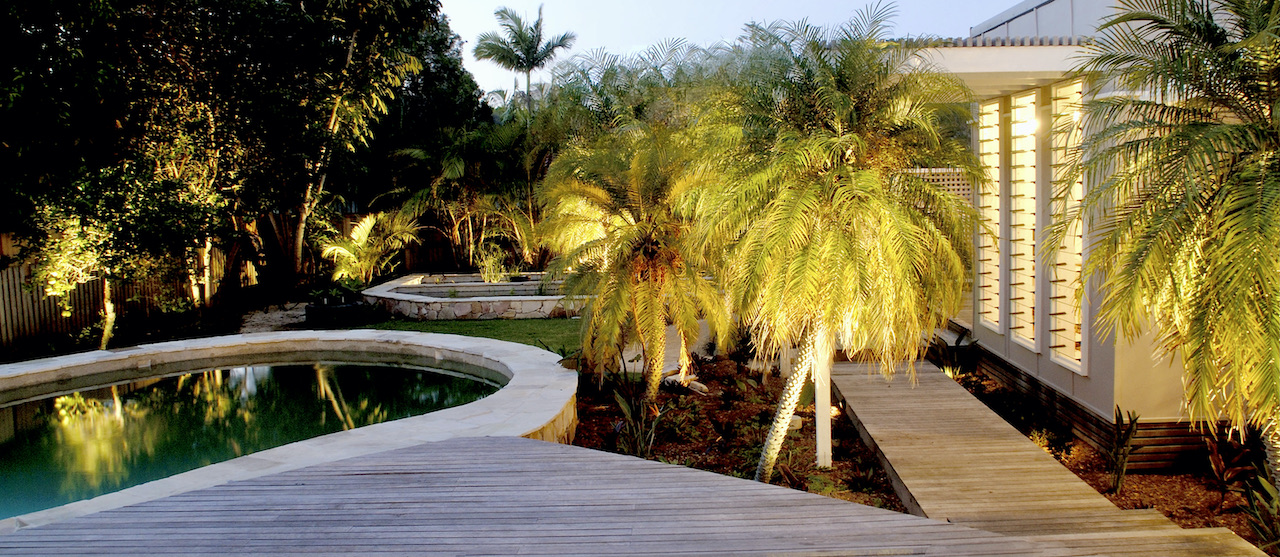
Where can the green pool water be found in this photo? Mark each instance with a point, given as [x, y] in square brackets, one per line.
[92, 442]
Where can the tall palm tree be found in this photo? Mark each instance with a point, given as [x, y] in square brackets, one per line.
[611, 218]
[520, 47]
[1184, 197]
[830, 243]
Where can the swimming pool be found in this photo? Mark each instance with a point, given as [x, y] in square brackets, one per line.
[100, 440]
[536, 400]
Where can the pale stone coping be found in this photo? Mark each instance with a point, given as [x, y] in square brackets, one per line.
[538, 400]
[389, 290]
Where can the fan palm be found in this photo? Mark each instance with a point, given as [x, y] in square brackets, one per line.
[1184, 203]
[520, 47]
[830, 242]
[611, 218]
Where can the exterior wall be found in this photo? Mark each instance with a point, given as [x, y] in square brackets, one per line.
[1106, 374]
[1038, 18]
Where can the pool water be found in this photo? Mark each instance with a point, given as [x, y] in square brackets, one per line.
[92, 442]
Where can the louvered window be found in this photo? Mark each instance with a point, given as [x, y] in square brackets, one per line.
[988, 197]
[1064, 310]
[1022, 217]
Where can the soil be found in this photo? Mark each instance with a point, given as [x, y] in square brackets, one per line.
[1190, 498]
[275, 318]
[723, 432]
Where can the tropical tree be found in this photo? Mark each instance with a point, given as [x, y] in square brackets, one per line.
[829, 242]
[371, 247]
[1183, 205]
[611, 217]
[520, 47]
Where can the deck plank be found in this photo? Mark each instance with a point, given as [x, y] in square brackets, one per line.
[503, 496]
[951, 458]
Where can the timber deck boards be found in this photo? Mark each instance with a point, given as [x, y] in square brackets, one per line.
[503, 496]
[951, 458]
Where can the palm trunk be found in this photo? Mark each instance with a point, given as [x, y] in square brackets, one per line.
[787, 407]
[653, 357]
[1271, 441]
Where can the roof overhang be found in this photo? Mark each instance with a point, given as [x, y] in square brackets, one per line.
[991, 71]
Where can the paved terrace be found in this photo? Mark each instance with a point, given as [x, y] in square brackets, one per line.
[951, 458]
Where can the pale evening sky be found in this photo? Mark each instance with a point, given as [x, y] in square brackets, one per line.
[624, 27]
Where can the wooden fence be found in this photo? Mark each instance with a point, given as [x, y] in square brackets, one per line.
[26, 313]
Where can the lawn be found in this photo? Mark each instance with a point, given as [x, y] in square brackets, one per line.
[558, 335]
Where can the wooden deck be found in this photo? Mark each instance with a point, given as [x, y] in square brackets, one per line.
[503, 496]
[952, 458]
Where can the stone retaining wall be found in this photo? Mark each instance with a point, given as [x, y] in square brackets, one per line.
[437, 297]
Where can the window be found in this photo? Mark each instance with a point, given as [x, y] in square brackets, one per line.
[1064, 311]
[988, 197]
[1022, 217]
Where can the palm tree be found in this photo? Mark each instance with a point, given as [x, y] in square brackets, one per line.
[371, 247]
[1184, 197]
[611, 218]
[520, 48]
[829, 242]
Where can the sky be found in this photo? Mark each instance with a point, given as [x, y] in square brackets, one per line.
[625, 27]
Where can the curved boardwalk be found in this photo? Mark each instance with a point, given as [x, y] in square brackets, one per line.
[952, 458]
[502, 496]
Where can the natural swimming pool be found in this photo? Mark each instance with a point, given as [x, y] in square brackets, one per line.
[101, 440]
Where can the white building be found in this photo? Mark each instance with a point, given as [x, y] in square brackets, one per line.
[1024, 314]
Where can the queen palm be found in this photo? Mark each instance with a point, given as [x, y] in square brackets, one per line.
[830, 243]
[1184, 198]
[520, 47]
[611, 218]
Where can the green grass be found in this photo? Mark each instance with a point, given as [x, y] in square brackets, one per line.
[560, 335]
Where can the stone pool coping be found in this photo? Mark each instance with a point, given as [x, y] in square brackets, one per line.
[538, 402]
[421, 306]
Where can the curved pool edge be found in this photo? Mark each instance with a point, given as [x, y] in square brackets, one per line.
[538, 402]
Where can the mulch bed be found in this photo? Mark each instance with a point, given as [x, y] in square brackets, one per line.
[723, 432]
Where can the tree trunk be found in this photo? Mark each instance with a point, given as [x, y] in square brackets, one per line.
[320, 171]
[206, 261]
[654, 357]
[786, 408]
[1271, 441]
[108, 314]
[528, 102]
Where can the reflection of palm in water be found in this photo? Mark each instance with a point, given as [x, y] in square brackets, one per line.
[159, 427]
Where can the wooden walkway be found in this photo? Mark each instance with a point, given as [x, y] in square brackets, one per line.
[503, 496]
[951, 458]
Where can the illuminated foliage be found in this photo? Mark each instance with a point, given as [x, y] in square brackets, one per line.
[1183, 201]
[828, 241]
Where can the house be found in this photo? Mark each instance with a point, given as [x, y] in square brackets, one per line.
[1024, 314]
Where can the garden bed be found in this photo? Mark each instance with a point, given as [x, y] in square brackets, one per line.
[723, 432]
